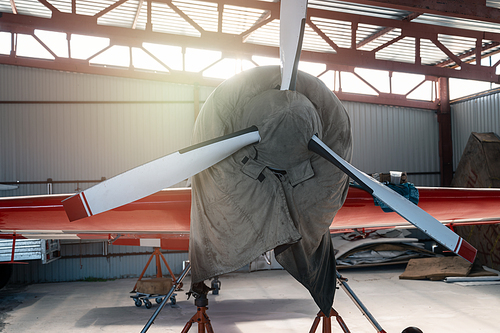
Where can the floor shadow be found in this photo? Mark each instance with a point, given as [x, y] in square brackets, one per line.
[223, 314]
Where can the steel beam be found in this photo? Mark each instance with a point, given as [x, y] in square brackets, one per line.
[469, 9]
[232, 45]
[445, 139]
[235, 46]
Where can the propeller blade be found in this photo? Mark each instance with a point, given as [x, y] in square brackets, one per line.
[409, 211]
[292, 23]
[154, 176]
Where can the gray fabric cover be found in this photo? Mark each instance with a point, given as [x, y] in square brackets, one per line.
[241, 208]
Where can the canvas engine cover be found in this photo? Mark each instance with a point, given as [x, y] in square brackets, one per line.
[275, 194]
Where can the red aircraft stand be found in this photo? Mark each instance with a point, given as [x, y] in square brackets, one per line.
[157, 254]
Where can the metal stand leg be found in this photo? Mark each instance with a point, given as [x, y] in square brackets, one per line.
[327, 322]
[167, 297]
[201, 318]
[357, 301]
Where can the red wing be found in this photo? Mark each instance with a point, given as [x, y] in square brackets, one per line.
[162, 218]
[448, 205]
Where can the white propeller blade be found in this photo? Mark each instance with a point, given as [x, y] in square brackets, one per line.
[292, 23]
[399, 204]
[156, 175]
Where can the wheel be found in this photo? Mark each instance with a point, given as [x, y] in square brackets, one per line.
[173, 301]
[147, 304]
[138, 302]
[158, 300]
[216, 284]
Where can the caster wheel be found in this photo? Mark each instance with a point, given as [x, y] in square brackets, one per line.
[173, 301]
[138, 302]
[148, 304]
[412, 330]
[158, 300]
[216, 284]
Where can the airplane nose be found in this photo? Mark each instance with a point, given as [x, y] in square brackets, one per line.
[286, 120]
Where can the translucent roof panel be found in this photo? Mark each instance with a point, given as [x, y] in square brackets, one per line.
[237, 20]
[205, 14]
[26, 7]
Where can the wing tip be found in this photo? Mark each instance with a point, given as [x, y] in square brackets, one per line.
[75, 208]
[467, 251]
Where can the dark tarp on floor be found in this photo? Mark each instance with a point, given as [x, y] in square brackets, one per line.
[274, 193]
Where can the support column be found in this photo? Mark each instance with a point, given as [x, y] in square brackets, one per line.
[445, 140]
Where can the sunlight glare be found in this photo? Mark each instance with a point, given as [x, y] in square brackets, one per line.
[116, 55]
[197, 60]
[83, 47]
[377, 78]
[329, 79]
[312, 68]
[461, 87]
[424, 92]
[402, 83]
[352, 84]
[5, 42]
[169, 55]
[27, 46]
[266, 61]
[56, 41]
[227, 68]
[142, 60]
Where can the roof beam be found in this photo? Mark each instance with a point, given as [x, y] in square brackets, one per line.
[13, 6]
[385, 31]
[230, 44]
[469, 9]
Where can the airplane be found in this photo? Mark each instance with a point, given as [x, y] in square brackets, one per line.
[260, 167]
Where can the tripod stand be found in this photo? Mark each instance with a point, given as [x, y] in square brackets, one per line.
[200, 316]
[327, 324]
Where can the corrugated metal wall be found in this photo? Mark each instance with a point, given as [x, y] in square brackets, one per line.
[68, 126]
[95, 261]
[478, 114]
[394, 138]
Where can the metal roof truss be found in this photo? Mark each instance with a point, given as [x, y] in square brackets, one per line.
[418, 37]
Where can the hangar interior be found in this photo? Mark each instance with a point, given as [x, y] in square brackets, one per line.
[90, 89]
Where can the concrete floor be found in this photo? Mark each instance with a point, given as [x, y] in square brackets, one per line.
[265, 301]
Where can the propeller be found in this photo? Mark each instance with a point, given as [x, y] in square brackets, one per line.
[154, 176]
[409, 211]
[292, 23]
